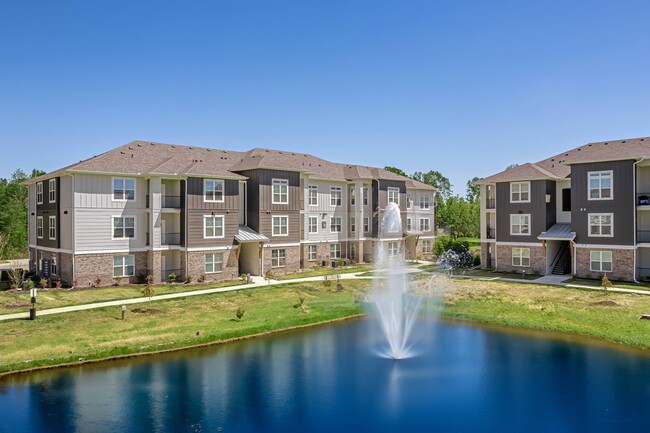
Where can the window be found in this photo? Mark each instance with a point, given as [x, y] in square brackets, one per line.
[600, 185]
[393, 195]
[353, 224]
[123, 189]
[212, 226]
[52, 227]
[52, 191]
[364, 192]
[426, 246]
[39, 227]
[353, 199]
[520, 224]
[601, 224]
[313, 224]
[519, 192]
[409, 202]
[600, 261]
[280, 191]
[353, 252]
[278, 258]
[123, 227]
[521, 257]
[213, 190]
[123, 266]
[408, 224]
[335, 251]
[424, 202]
[280, 226]
[566, 200]
[425, 224]
[366, 225]
[311, 252]
[335, 196]
[313, 195]
[393, 249]
[213, 263]
[39, 193]
[335, 224]
[53, 269]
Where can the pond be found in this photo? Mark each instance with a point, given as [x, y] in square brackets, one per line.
[327, 379]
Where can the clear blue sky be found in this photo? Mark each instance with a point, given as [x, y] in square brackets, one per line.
[463, 87]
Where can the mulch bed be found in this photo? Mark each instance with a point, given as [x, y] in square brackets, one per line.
[606, 303]
[17, 304]
[145, 310]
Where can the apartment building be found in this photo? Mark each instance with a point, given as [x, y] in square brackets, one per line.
[159, 209]
[584, 212]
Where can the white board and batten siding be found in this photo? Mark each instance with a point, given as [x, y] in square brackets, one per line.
[324, 207]
[415, 213]
[95, 208]
[66, 211]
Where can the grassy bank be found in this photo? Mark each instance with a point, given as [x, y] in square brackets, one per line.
[322, 271]
[98, 334]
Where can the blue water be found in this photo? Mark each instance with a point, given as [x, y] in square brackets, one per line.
[468, 379]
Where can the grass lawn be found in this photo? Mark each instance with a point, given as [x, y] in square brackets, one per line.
[100, 333]
[482, 273]
[322, 271]
[52, 298]
[617, 284]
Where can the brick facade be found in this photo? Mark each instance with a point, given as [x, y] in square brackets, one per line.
[89, 267]
[537, 260]
[196, 265]
[292, 259]
[622, 264]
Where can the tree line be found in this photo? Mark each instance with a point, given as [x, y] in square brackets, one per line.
[455, 215]
[13, 215]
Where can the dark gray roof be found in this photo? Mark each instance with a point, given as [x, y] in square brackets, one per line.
[247, 234]
[558, 232]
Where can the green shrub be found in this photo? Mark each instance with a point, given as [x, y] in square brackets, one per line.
[476, 260]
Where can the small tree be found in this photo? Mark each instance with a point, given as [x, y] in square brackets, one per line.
[188, 279]
[606, 285]
[42, 282]
[172, 278]
[240, 313]
[16, 276]
[148, 290]
[301, 303]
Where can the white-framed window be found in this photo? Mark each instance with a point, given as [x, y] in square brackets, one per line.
[353, 224]
[123, 189]
[39, 227]
[601, 225]
[408, 224]
[280, 226]
[353, 196]
[366, 224]
[52, 191]
[278, 258]
[519, 192]
[123, 227]
[425, 203]
[521, 257]
[520, 224]
[335, 196]
[600, 261]
[213, 226]
[313, 224]
[123, 266]
[312, 252]
[335, 224]
[393, 195]
[425, 224]
[335, 251]
[364, 193]
[393, 249]
[53, 267]
[409, 202]
[313, 195]
[213, 263]
[280, 191]
[426, 246]
[39, 193]
[51, 227]
[600, 185]
[213, 190]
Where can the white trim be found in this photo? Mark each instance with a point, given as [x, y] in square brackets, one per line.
[520, 183]
[365, 197]
[205, 263]
[520, 215]
[488, 241]
[388, 239]
[129, 251]
[309, 253]
[280, 182]
[520, 257]
[135, 229]
[340, 199]
[42, 227]
[340, 224]
[309, 218]
[123, 266]
[611, 247]
[388, 192]
[41, 187]
[600, 261]
[428, 229]
[273, 217]
[295, 244]
[49, 191]
[284, 257]
[51, 250]
[519, 244]
[611, 215]
[135, 188]
[199, 249]
[309, 189]
[223, 190]
[600, 177]
[223, 226]
[49, 227]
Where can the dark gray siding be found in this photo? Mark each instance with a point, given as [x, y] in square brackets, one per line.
[622, 205]
[551, 210]
[47, 210]
[197, 208]
[538, 209]
[382, 201]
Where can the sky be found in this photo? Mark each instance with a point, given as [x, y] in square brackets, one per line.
[463, 87]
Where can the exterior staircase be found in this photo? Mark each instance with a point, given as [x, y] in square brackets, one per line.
[563, 263]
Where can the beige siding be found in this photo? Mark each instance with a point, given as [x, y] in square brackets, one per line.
[96, 191]
[94, 230]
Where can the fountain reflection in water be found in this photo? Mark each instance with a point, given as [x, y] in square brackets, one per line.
[396, 305]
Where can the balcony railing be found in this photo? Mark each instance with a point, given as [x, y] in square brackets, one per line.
[170, 239]
[490, 203]
[489, 233]
[171, 201]
[642, 236]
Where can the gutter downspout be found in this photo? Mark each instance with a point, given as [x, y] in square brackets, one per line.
[74, 232]
[634, 166]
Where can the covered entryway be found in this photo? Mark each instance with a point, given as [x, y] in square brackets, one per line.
[557, 243]
[250, 250]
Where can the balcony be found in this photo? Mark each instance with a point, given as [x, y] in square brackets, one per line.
[643, 236]
[170, 239]
[490, 203]
[490, 233]
[171, 202]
